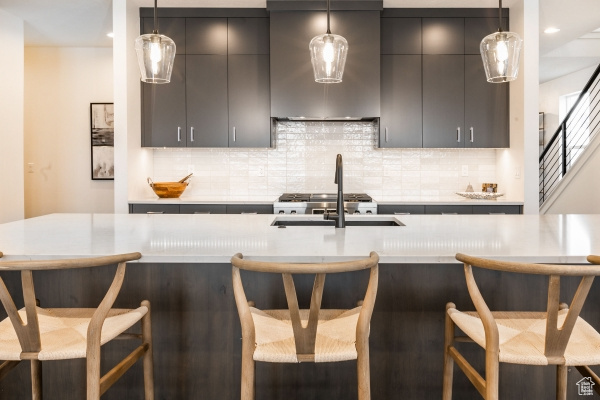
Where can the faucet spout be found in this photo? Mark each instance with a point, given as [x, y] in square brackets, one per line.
[340, 218]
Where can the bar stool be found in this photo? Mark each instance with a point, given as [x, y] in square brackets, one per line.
[558, 336]
[296, 335]
[69, 333]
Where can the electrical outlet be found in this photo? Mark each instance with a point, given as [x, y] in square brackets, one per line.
[518, 173]
[30, 168]
[261, 170]
[465, 170]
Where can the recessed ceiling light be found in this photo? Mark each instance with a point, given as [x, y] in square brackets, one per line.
[551, 30]
[110, 35]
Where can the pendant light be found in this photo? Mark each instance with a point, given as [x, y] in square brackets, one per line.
[156, 54]
[328, 55]
[500, 52]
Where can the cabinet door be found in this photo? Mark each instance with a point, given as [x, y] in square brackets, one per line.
[443, 100]
[249, 208]
[443, 36]
[203, 209]
[163, 110]
[486, 108]
[401, 123]
[174, 28]
[401, 36]
[206, 36]
[154, 208]
[248, 36]
[400, 209]
[206, 96]
[249, 104]
[448, 209]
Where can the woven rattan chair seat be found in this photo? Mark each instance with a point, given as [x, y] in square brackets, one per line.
[522, 337]
[335, 340]
[63, 331]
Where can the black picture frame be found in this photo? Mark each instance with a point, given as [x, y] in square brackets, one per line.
[102, 140]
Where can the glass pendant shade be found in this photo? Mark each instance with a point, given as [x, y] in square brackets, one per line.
[328, 55]
[500, 52]
[156, 54]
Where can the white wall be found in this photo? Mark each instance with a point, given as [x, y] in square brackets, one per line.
[12, 197]
[60, 84]
[551, 91]
[132, 163]
[517, 167]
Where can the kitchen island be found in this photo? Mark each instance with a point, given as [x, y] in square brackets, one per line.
[185, 273]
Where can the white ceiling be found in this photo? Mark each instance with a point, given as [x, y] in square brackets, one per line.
[85, 23]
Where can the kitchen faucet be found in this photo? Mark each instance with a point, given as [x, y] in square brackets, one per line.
[339, 217]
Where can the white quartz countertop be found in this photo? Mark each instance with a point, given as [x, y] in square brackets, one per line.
[215, 238]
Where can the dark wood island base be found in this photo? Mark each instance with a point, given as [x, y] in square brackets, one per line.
[197, 334]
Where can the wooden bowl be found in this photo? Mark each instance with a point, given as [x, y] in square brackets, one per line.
[168, 190]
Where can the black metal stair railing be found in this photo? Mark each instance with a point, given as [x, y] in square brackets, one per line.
[571, 138]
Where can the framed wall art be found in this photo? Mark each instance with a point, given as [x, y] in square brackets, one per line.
[103, 141]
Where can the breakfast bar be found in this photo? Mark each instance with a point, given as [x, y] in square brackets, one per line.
[185, 273]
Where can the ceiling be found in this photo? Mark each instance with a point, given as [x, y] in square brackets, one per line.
[85, 23]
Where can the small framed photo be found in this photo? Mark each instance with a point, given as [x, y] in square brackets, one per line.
[102, 120]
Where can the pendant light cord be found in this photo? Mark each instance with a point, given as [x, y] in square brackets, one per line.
[500, 16]
[328, 30]
[155, 18]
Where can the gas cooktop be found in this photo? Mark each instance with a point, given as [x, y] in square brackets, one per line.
[321, 203]
[324, 197]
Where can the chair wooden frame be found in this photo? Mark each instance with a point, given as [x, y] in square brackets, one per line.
[305, 337]
[556, 338]
[29, 333]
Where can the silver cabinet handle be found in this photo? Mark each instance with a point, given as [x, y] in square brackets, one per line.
[458, 134]
[234, 133]
[386, 134]
[155, 212]
[179, 134]
[192, 133]
[471, 131]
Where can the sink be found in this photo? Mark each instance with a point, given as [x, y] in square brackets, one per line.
[350, 221]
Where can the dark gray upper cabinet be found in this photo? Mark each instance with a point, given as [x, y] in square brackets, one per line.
[401, 122]
[486, 108]
[206, 36]
[443, 36]
[220, 84]
[294, 91]
[459, 107]
[249, 106]
[174, 28]
[401, 36]
[207, 117]
[163, 110]
[443, 100]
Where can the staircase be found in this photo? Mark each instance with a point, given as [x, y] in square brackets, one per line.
[568, 144]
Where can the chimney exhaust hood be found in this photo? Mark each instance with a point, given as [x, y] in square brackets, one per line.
[295, 96]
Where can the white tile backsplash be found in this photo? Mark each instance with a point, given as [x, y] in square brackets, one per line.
[304, 161]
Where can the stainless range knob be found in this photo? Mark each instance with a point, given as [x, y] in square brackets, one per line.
[356, 212]
[369, 212]
[281, 212]
[293, 212]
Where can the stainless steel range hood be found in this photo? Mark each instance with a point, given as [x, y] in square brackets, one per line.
[295, 95]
